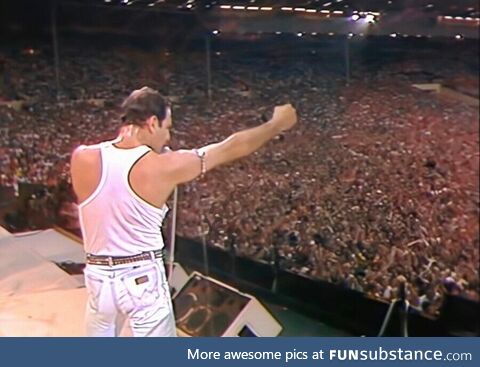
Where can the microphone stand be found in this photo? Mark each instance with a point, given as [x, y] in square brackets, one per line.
[403, 305]
[172, 235]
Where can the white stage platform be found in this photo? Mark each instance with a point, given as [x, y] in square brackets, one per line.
[37, 298]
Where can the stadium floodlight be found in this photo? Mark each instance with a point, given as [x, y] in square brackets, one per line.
[370, 18]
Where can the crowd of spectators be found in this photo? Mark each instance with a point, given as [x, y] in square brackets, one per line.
[377, 180]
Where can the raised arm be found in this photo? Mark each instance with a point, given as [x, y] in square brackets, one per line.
[186, 165]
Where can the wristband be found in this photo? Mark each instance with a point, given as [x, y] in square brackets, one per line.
[203, 166]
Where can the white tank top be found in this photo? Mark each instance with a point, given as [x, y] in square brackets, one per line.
[114, 220]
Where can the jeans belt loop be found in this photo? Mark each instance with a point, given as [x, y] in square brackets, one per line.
[152, 255]
[110, 261]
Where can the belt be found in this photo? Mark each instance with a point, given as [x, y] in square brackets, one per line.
[119, 260]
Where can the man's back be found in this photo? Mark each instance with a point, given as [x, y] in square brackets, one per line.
[115, 219]
[146, 177]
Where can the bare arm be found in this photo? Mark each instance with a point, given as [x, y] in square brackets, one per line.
[185, 165]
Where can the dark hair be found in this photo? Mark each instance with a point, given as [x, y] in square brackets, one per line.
[143, 103]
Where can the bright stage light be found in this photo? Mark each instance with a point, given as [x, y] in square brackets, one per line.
[370, 18]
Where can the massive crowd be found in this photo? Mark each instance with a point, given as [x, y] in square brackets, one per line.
[378, 180]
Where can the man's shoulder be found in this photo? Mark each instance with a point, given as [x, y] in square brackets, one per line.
[173, 155]
[86, 152]
[84, 147]
[168, 162]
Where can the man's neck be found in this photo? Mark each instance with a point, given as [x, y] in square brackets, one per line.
[130, 138]
[128, 143]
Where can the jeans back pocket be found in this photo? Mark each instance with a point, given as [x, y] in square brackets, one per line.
[143, 285]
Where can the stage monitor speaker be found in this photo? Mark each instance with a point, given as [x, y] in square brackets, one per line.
[207, 307]
[178, 279]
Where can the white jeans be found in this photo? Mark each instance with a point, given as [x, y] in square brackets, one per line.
[139, 293]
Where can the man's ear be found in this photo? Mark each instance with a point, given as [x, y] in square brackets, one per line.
[164, 122]
[152, 121]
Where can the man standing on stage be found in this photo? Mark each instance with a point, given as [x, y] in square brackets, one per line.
[122, 186]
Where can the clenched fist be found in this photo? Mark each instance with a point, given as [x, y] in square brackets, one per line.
[284, 116]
